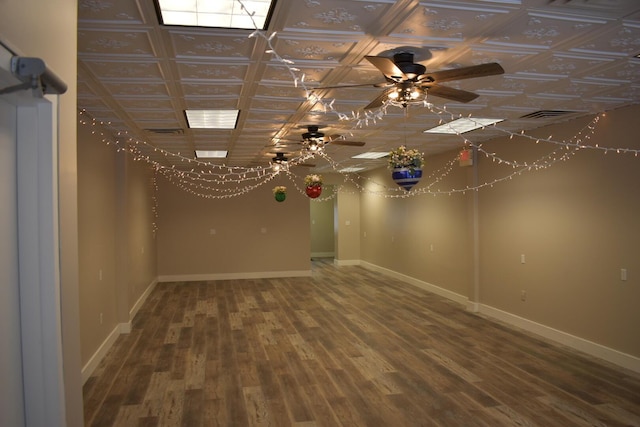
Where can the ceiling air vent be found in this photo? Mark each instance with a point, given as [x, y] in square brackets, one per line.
[166, 131]
[547, 114]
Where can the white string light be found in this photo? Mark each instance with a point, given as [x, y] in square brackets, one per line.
[208, 180]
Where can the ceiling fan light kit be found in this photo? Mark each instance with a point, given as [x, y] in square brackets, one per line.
[407, 81]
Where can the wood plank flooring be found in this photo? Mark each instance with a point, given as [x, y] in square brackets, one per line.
[346, 347]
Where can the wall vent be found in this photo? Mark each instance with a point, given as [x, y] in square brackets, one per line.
[166, 131]
[547, 114]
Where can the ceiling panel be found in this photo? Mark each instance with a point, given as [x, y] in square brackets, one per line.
[572, 55]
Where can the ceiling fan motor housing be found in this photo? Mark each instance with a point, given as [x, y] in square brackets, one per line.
[404, 61]
[279, 158]
[313, 133]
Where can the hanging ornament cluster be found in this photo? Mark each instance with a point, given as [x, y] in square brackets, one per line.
[313, 185]
[280, 193]
[406, 165]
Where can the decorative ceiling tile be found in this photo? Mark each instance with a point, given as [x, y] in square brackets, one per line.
[621, 41]
[206, 102]
[147, 70]
[208, 71]
[329, 50]
[114, 11]
[281, 91]
[212, 90]
[145, 104]
[448, 21]
[335, 16]
[543, 31]
[276, 72]
[136, 90]
[575, 55]
[211, 46]
[107, 43]
[92, 103]
[155, 115]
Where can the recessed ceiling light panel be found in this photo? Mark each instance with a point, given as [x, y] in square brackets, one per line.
[216, 13]
[463, 125]
[371, 155]
[211, 154]
[212, 119]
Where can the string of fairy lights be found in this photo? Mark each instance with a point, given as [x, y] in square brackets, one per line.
[213, 181]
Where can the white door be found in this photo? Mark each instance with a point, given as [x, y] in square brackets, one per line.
[11, 388]
[31, 380]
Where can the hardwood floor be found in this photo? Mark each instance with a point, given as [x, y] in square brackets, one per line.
[346, 347]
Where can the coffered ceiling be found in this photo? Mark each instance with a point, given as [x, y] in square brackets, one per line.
[577, 57]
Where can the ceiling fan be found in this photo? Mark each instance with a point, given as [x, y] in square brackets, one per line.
[280, 160]
[314, 140]
[409, 82]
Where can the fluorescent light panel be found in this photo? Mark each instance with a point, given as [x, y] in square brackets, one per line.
[371, 155]
[211, 154]
[215, 13]
[349, 170]
[212, 119]
[463, 125]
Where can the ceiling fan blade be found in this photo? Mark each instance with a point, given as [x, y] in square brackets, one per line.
[383, 84]
[451, 93]
[345, 142]
[286, 141]
[388, 67]
[338, 139]
[287, 145]
[482, 70]
[379, 100]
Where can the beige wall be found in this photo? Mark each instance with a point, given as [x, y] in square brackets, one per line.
[575, 222]
[253, 233]
[577, 225]
[97, 225]
[141, 258]
[322, 223]
[27, 26]
[347, 220]
[424, 237]
[116, 239]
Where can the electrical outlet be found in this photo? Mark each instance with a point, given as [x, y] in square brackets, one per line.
[522, 259]
[623, 274]
[101, 319]
[523, 295]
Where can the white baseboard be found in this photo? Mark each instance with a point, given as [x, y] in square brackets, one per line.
[341, 262]
[322, 254]
[121, 328]
[97, 357]
[418, 283]
[141, 300]
[473, 306]
[229, 276]
[590, 348]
